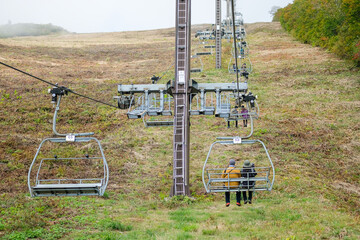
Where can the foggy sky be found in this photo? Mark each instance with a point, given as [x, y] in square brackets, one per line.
[84, 16]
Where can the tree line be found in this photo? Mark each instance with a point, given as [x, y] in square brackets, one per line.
[332, 24]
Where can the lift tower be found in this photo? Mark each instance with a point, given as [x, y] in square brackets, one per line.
[182, 90]
[228, 12]
[181, 99]
[218, 34]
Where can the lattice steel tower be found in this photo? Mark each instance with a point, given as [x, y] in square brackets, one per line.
[218, 34]
[181, 99]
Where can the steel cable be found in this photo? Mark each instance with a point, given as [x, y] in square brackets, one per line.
[234, 37]
[55, 85]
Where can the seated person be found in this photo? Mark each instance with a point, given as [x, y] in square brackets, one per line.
[231, 172]
[248, 171]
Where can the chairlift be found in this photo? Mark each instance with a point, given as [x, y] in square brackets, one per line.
[158, 122]
[137, 108]
[202, 104]
[203, 53]
[223, 104]
[198, 49]
[197, 63]
[226, 108]
[241, 52]
[159, 107]
[210, 46]
[214, 178]
[205, 35]
[243, 44]
[244, 67]
[151, 108]
[43, 185]
[242, 32]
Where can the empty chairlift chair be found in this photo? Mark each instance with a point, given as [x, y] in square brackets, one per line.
[203, 53]
[158, 108]
[210, 46]
[44, 179]
[150, 102]
[196, 64]
[201, 105]
[223, 105]
[137, 108]
[213, 174]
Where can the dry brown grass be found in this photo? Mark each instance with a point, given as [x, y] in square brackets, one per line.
[309, 101]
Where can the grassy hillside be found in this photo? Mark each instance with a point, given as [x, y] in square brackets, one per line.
[310, 123]
[29, 29]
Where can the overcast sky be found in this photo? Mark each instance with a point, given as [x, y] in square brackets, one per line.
[119, 15]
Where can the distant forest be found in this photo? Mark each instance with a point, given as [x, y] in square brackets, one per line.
[29, 29]
[332, 24]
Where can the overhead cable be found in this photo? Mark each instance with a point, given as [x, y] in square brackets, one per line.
[55, 85]
[234, 37]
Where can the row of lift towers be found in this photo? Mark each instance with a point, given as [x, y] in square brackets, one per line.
[186, 96]
[191, 98]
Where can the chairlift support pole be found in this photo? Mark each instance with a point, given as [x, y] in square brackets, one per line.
[228, 12]
[181, 89]
[218, 34]
[181, 99]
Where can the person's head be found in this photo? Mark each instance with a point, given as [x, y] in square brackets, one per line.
[232, 162]
[242, 106]
[247, 163]
[236, 106]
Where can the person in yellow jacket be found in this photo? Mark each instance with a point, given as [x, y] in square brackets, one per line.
[228, 173]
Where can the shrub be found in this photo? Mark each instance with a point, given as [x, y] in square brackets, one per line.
[331, 24]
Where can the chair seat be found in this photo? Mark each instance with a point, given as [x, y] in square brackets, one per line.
[83, 189]
[63, 186]
[136, 114]
[205, 111]
[203, 53]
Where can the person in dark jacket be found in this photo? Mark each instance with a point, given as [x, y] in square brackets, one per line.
[234, 113]
[248, 171]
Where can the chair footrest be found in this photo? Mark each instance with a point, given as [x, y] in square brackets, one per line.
[159, 123]
[253, 179]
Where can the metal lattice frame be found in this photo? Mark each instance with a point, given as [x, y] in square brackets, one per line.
[231, 140]
[66, 187]
[218, 34]
[181, 140]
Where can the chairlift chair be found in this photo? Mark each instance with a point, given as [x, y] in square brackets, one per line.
[215, 180]
[223, 104]
[202, 105]
[197, 63]
[137, 108]
[158, 108]
[203, 53]
[88, 186]
[243, 71]
[151, 108]
[210, 46]
[241, 52]
[205, 35]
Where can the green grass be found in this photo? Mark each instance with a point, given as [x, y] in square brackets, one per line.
[309, 123]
